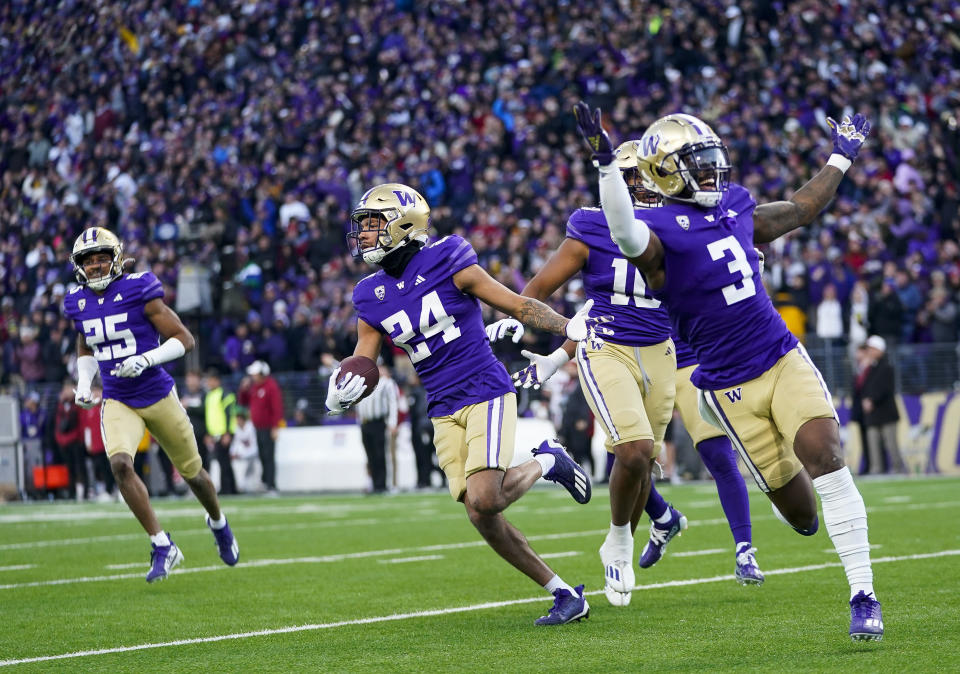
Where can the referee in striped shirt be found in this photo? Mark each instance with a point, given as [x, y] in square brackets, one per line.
[377, 414]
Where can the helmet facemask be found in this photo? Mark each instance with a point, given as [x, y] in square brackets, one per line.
[385, 243]
[97, 240]
[705, 170]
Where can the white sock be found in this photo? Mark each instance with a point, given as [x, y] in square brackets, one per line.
[846, 520]
[743, 546]
[546, 462]
[620, 536]
[665, 517]
[160, 540]
[557, 583]
[218, 524]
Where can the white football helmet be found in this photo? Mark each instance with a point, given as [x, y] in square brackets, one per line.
[680, 157]
[94, 240]
[403, 214]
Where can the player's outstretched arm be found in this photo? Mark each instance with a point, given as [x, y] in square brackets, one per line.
[177, 341]
[773, 220]
[477, 282]
[633, 237]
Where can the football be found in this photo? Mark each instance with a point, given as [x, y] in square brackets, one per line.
[363, 367]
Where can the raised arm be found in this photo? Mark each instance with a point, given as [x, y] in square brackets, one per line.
[773, 220]
[633, 237]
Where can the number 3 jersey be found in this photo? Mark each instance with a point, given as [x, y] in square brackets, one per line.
[440, 327]
[713, 292]
[616, 287]
[115, 328]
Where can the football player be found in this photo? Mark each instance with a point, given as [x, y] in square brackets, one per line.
[426, 299]
[120, 318]
[754, 379]
[630, 383]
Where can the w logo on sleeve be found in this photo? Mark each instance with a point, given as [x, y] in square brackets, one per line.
[405, 198]
[734, 395]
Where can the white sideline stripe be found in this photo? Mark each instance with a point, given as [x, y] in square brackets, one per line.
[437, 612]
[455, 515]
[403, 560]
[17, 567]
[898, 499]
[697, 553]
[555, 555]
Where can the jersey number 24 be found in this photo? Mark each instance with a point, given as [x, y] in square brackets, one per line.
[430, 308]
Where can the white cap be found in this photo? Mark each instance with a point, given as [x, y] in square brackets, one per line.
[877, 342]
[258, 367]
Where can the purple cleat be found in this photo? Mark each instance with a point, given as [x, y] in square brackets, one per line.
[226, 543]
[866, 618]
[748, 571]
[566, 608]
[566, 471]
[660, 535]
[162, 560]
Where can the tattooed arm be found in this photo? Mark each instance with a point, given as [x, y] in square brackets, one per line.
[477, 282]
[773, 220]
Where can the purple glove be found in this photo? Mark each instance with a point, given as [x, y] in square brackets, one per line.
[849, 135]
[592, 131]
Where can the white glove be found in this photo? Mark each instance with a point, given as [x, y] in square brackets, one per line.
[131, 367]
[582, 326]
[504, 328]
[341, 396]
[540, 369]
[84, 398]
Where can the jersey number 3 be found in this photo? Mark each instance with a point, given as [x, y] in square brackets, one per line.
[738, 291]
[97, 331]
[430, 307]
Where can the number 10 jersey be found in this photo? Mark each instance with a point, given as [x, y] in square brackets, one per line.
[438, 326]
[115, 328]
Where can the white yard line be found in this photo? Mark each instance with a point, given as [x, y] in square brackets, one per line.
[433, 612]
[697, 553]
[404, 560]
[557, 555]
[17, 567]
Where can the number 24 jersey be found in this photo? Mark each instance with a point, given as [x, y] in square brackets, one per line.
[437, 325]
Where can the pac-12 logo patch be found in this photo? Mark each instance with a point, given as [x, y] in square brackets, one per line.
[683, 221]
[380, 292]
[81, 304]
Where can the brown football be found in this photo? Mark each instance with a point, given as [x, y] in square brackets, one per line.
[363, 367]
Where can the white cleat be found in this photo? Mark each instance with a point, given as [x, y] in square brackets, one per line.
[618, 574]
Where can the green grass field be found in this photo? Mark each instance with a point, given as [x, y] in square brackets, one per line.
[404, 583]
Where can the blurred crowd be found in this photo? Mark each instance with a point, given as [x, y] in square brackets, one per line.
[226, 142]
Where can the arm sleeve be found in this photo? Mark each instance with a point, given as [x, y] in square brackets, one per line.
[276, 401]
[632, 235]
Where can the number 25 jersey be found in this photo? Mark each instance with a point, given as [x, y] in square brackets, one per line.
[115, 328]
[713, 292]
[439, 326]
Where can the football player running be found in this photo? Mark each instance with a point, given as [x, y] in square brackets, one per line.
[426, 299]
[120, 318]
[627, 379]
[755, 380]
[630, 382]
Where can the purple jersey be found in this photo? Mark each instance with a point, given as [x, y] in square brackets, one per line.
[639, 319]
[713, 292]
[685, 355]
[440, 327]
[115, 328]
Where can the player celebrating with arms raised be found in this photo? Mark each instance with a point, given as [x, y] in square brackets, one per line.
[755, 379]
[120, 318]
[425, 298]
